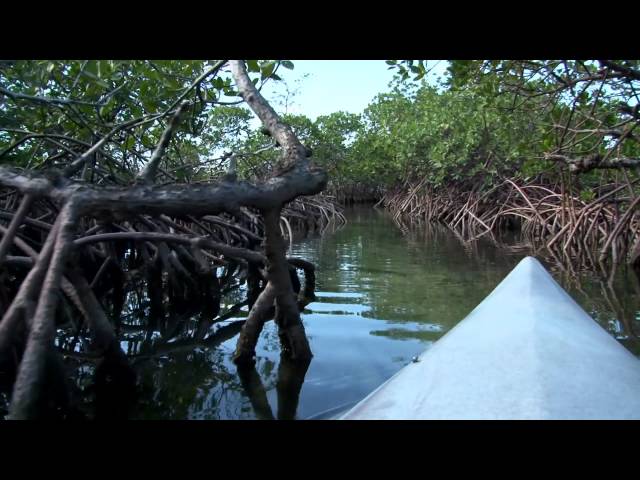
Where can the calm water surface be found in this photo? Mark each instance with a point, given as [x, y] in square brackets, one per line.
[385, 294]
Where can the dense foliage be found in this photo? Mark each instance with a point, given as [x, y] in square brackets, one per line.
[101, 206]
[51, 111]
[586, 111]
[484, 121]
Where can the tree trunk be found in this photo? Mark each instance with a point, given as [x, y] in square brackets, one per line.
[290, 329]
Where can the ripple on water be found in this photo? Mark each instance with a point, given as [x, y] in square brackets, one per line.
[383, 297]
[339, 295]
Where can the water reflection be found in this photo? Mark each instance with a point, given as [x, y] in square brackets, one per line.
[385, 293]
[290, 380]
[609, 293]
[256, 392]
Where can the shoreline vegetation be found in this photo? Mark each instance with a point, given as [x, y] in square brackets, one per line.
[600, 231]
[545, 147]
[143, 182]
[92, 218]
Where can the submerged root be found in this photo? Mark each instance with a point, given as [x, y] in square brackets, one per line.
[78, 286]
[548, 215]
[92, 234]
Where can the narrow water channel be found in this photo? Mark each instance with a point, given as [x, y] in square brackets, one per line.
[384, 295]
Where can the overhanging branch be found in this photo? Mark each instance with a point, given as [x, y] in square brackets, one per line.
[590, 162]
[294, 151]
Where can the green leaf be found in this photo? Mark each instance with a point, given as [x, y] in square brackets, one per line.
[287, 64]
[104, 109]
[267, 69]
[149, 105]
[252, 66]
[96, 79]
[91, 68]
[218, 83]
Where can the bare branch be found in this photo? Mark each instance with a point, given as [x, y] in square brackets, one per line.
[200, 242]
[590, 162]
[46, 100]
[626, 71]
[294, 151]
[7, 239]
[77, 164]
[148, 174]
[214, 69]
[30, 382]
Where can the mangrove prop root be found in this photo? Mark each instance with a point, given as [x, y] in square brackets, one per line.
[254, 389]
[170, 238]
[290, 379]
[548, 214]
[27, 293]
[258, 315]
[290, 328]
[30, 382]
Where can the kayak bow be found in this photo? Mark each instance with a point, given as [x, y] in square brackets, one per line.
[528, 351]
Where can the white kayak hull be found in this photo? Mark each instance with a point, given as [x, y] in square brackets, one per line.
[528, 351]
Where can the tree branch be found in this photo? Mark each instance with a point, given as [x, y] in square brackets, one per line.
[32, 374]
[294, 151]
[7, 239]
[201, 242]
[46, 100]
[590, 162]
[214, 69]
[148, 174]
[626, 71]
[196, 199]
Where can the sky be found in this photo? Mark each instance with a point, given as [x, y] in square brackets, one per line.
[327, 86]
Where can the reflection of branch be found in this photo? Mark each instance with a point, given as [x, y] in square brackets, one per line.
[290, 380]
[254, 389]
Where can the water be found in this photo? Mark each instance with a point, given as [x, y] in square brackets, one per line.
[384, 295]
